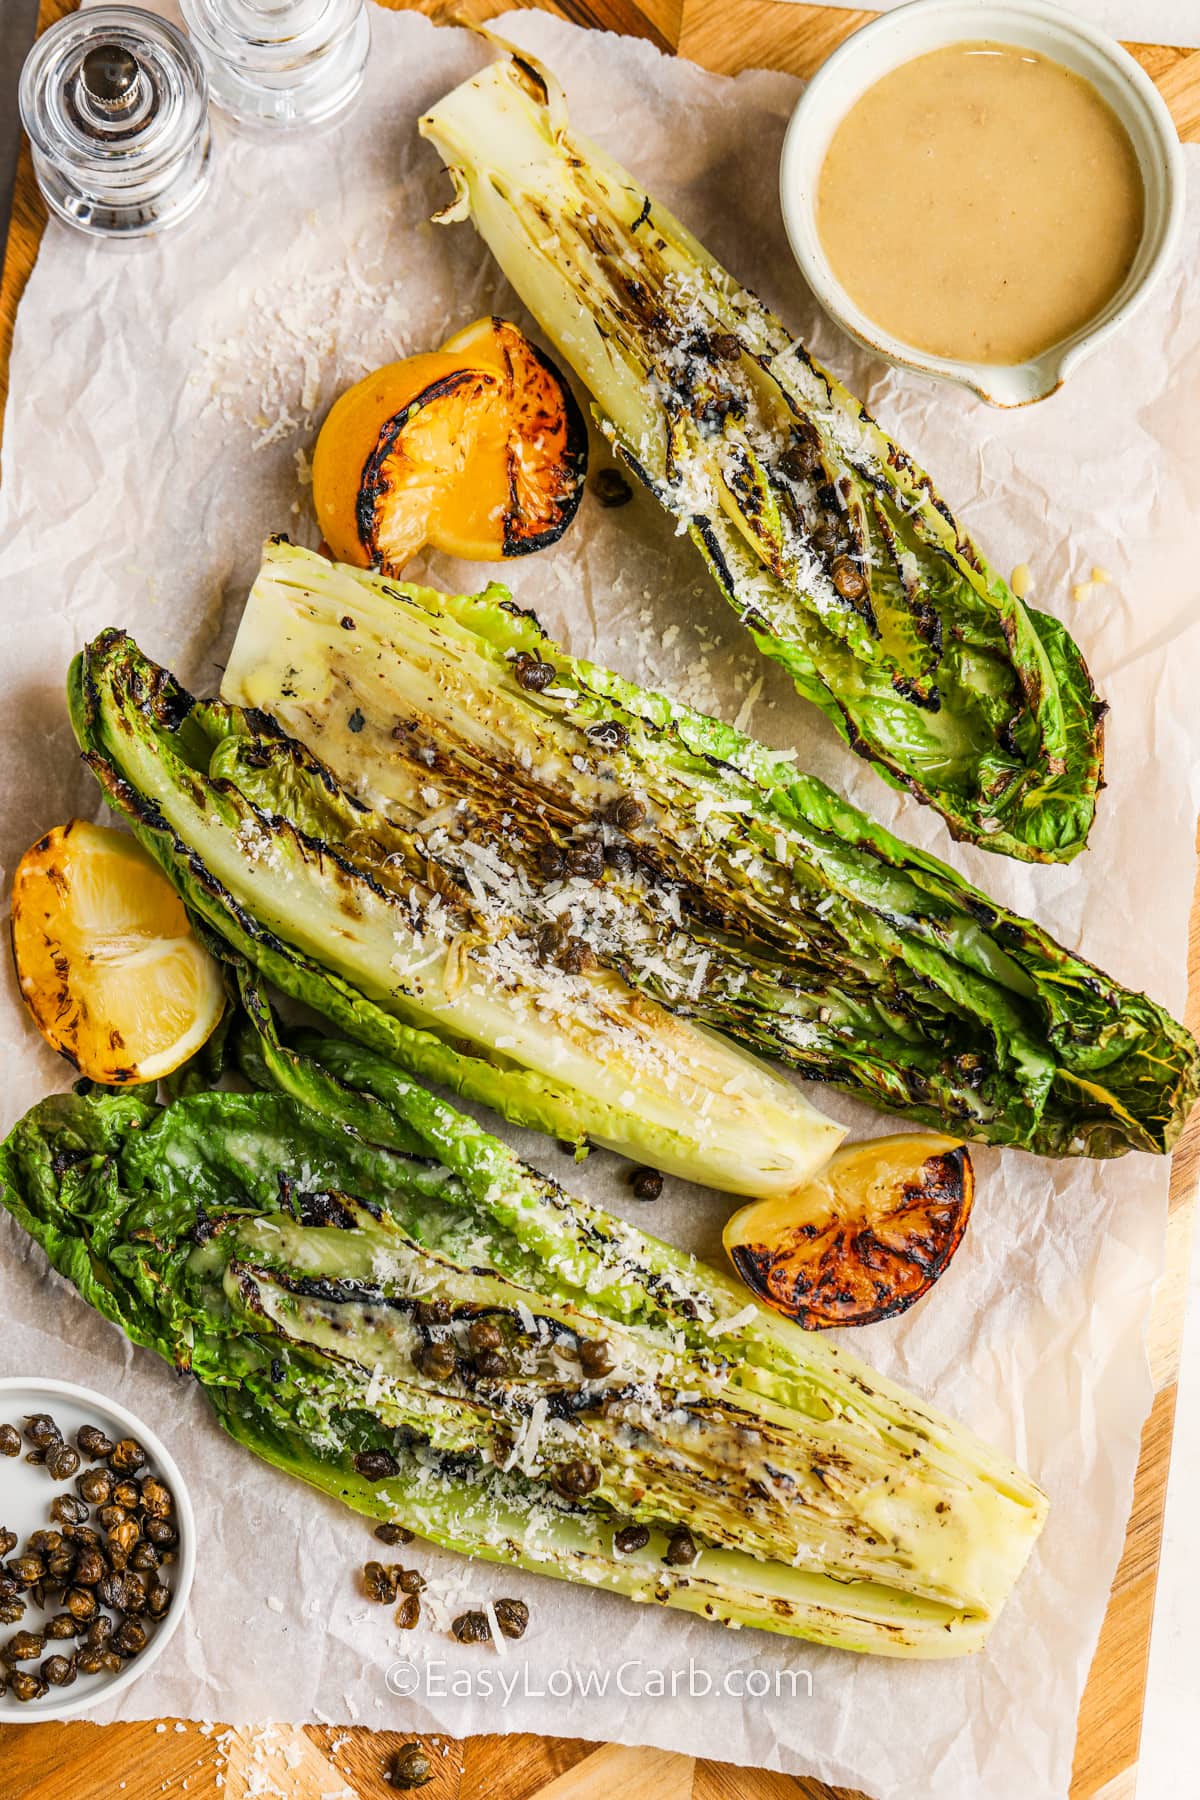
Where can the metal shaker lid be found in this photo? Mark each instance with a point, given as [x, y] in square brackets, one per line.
[115, 102]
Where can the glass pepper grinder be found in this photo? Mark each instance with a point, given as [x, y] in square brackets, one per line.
[115, 103]
[281, 63]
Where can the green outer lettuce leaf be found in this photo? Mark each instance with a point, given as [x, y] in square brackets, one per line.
[762, 905]
[277, 1245]
[831, 545]
[325, 933]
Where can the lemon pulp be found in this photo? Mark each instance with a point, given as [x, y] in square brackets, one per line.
[107, 962]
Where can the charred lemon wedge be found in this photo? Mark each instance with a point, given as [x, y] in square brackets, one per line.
[105, 957]
[478, 449]
[864, 1238]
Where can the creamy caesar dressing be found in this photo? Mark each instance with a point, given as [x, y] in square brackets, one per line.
[981, 202]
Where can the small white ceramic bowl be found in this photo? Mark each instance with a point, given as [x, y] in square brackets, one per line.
[25, 1495]
[924, 25]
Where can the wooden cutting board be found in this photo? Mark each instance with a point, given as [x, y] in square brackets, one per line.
[146, 1761]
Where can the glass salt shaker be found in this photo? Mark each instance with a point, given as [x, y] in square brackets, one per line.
[281, 63]
[115, 104]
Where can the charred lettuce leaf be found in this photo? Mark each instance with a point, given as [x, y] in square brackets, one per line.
[298, 1249]
[349, 915]
[834, 549]
[447, 739]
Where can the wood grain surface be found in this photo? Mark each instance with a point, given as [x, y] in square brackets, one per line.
[175, 1758]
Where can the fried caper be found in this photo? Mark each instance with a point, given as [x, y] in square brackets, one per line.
[127, 1457]
[127, 1494]
[630, 1538]
[827, 534]
[60, 1567]
[472, 1628]
[109, 1517]
[551, 862]
[410, 1581]
[609, 734]
[576, 1479]
[110, 1589]
[44, 1542]
[122, 1541]
[647, 1184]
[408, 1613]
[595, 1357]
[156, 1499]
[162, 1533]
[158, 1599]
[848, 578]
[620, 859]
[484, 1334]
[10, 1441]
[62, 1625]
[8, 1540]
[129, 1639]
[391, 1533]
[62, 1461]
[81, 1603]
[95, 1486]
[492, 1365]
[436, 1361]
[90, 1567]
[586, 857]
[532, 673]
[23, 1685]
[26, 1571]
[58, 1671]
[578, 956]
[65, 1509]
[23, 1646]
[410, 1768]
[432, 1312]
[800, 461]
[12, 1608]
[627, 813]
[512, 1616]
[125, 1591]
[93, 1442]
[90, 1661]
[550, 941]
[98, 1632]
[41, 1431]
[376, 1465]
[379, 1583]
[681, 1549]
[145, 1557]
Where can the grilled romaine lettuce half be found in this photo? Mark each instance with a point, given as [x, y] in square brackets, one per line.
[352, 915]
[299, 1248]
[833, 548]
[555, 805]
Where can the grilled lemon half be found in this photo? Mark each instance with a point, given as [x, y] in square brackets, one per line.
[478, 449]
[105, 957]
[862, 1239]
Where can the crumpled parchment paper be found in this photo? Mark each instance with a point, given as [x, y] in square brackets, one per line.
[1134, 21]
[161, 409]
